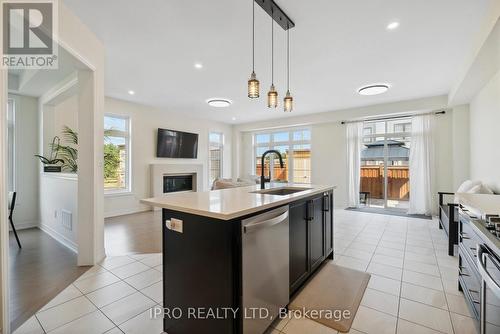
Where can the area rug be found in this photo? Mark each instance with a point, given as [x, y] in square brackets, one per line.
[332, 297]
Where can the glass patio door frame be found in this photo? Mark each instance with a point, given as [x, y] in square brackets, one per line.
[386, 136]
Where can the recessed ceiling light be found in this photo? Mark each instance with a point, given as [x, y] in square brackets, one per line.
[131, 92]
[198, 65]
[393, 25]
[219, 103]
[233, 118]
[373, 89]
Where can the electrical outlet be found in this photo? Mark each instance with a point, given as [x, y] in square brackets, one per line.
[174, 225]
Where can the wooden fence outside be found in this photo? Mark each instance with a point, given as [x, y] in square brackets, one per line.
[398, 182]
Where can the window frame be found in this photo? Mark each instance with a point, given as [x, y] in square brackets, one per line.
[128, 163]
[221, 162]
[290, 143]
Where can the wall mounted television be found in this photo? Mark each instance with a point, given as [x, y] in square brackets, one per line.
[177, 144]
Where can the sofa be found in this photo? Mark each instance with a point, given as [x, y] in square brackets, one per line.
[448, 210]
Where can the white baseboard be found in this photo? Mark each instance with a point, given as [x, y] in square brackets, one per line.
[24, 224]
[127, 211]
[59, 238]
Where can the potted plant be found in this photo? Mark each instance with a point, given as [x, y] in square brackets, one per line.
[51, 164]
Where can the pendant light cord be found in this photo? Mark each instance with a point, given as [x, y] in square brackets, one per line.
[253, 35]
[288, 58]
[272, 48]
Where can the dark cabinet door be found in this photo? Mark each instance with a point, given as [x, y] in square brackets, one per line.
[316, 232]
[299, 254]
[328, 216]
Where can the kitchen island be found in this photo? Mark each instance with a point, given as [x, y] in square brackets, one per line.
[233, 257]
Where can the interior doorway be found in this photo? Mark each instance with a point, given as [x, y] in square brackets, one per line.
[385, 170]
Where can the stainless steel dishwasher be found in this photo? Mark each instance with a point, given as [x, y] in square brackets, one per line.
[265, 264]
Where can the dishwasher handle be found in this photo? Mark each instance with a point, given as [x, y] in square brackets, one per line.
[482, 254]
[265, 223]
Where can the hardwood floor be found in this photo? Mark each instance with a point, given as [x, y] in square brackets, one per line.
[38, 272]
[135, 233]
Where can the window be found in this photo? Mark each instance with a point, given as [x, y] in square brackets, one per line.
[215, 153]
[11, 143]
[295, 148]
[116, 153]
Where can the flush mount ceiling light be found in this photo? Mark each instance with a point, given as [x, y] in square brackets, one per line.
[131, 92]
[198, 66]
[219, 103]
[393, 25]
[373, 89]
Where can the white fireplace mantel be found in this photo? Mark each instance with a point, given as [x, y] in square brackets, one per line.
[160, 170]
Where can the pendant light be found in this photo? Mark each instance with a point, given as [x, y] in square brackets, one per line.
[253, 83]
[288, 100]
[272, 95]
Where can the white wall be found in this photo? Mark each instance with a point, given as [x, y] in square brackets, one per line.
[55, 117]
[484, 133]
[26, 166]
[144, 124]
[328, 142]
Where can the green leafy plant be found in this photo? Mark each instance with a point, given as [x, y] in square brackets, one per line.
[68, 153]
[111, 161]
[52, 159]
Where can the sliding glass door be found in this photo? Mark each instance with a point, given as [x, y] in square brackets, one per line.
[385, 177]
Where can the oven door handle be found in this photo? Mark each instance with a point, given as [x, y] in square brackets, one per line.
[482, 254]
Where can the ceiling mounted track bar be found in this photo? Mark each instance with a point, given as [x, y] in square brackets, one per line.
[278, 15]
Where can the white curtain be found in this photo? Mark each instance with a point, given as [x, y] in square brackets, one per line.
[354, 144]
[421, 162]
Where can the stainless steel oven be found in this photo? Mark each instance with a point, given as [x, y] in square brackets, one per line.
[488, 264]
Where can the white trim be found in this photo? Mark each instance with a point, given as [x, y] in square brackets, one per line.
[62, 176]
[221, 147]
[59, 237]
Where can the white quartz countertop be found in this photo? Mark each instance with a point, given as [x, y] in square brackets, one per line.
[232, 203]
[485, 204]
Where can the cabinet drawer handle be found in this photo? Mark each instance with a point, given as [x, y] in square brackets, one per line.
[464, 236]
[461, 273]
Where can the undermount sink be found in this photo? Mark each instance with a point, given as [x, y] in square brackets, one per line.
[281, 191]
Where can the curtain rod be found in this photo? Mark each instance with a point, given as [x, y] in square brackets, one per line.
[394, 117]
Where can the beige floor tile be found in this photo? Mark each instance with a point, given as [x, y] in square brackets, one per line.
[154, 292]
[424, 295]
[462, 324]
[92, 272]
[385, 284]
[358, 254]
[115, 262]
[115, 330]
[428, 281]
[96, 282]
[393, 245]
[71, 292]
[451, 286]
[92, 323]
[388, 260]
[406, 327]
[381, 301]
[127, 308]
[32, 326]
[389, 252]
[65, 313]
[143, 323]
[458, 305]
[371, 321]
[425, 315]
[384, 270]
[110, 294]
[350, 262]
[153, 260]
[429, 259]
[449, 273]
[363, 247]
[144, 279]
[130, 269]
[279, 324]
[424, 268]
[303, 325]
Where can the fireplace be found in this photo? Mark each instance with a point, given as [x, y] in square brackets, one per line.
[176, 183]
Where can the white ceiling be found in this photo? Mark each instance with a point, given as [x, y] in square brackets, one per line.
[337, 46]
